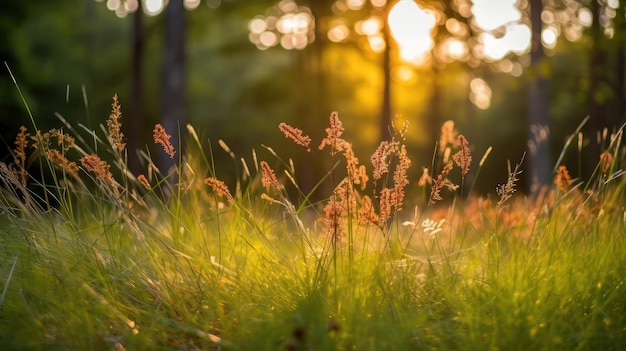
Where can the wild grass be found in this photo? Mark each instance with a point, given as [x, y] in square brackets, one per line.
[94, 257]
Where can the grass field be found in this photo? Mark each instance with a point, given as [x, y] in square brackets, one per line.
[93, 257]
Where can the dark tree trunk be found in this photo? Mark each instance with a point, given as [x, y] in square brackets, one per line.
[434, 121]
[594, 97]
[538, 131]
[135, 136]
[620, 36]
[386, 109]
[173, 75]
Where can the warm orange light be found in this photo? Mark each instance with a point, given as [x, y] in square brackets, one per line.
[411, 27]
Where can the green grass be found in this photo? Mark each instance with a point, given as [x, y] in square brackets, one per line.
[178, 268]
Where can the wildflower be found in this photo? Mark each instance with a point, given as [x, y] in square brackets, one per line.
[268, 176]
[463, 158]
[562, 179]
[333, 135]
[56, 157]
[438, 184]
[219, 187]
[144, 181]
[295, 134]
[160, 136]
[114, 125]
[605, 161]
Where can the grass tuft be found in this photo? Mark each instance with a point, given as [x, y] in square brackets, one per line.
[94, 257]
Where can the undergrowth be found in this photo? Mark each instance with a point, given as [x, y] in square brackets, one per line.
[95, 257]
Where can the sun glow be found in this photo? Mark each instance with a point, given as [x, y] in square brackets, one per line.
[411, 26]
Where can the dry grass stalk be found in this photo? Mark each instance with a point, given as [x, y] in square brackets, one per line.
[114, 126]
[144, 181]
[19, 153]
[562, 179]
[505, 191]
[219, 187]
[400, 180]
[94, 164]
[340, 204]
[380, 158]
[161, 137]
[295, 134]
[447, 137]
[425, 178]
[356, 173]
[362, 177]
[43, 140]
[333, 136]
[606, 158]
[439, 183]
[385, 206]
[59, 159]
[10, 176]
[269, 199]
[463, 157]
[367, 212]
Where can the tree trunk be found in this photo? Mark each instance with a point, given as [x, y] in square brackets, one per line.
[135, 137]
[173, 75]
[594, 95]
[620, 36]
[386, 109]
[538, 131]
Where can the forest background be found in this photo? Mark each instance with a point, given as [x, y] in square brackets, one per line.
[518, 76]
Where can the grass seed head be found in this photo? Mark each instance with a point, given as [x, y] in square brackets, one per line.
[562, 179]
[161, 137]
[268, 177]
[219, 187]
[295, 134]
[114, 126]
[463, 157]
[333, 135]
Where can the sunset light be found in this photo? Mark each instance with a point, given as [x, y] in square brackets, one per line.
[411, 26]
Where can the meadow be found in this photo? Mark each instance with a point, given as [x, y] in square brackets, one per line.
[94, 257]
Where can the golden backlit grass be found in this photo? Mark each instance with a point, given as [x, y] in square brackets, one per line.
[94, 257]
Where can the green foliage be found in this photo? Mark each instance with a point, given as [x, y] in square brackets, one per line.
[118, 261]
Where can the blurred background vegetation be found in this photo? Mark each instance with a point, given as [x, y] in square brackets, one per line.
[516, 75]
